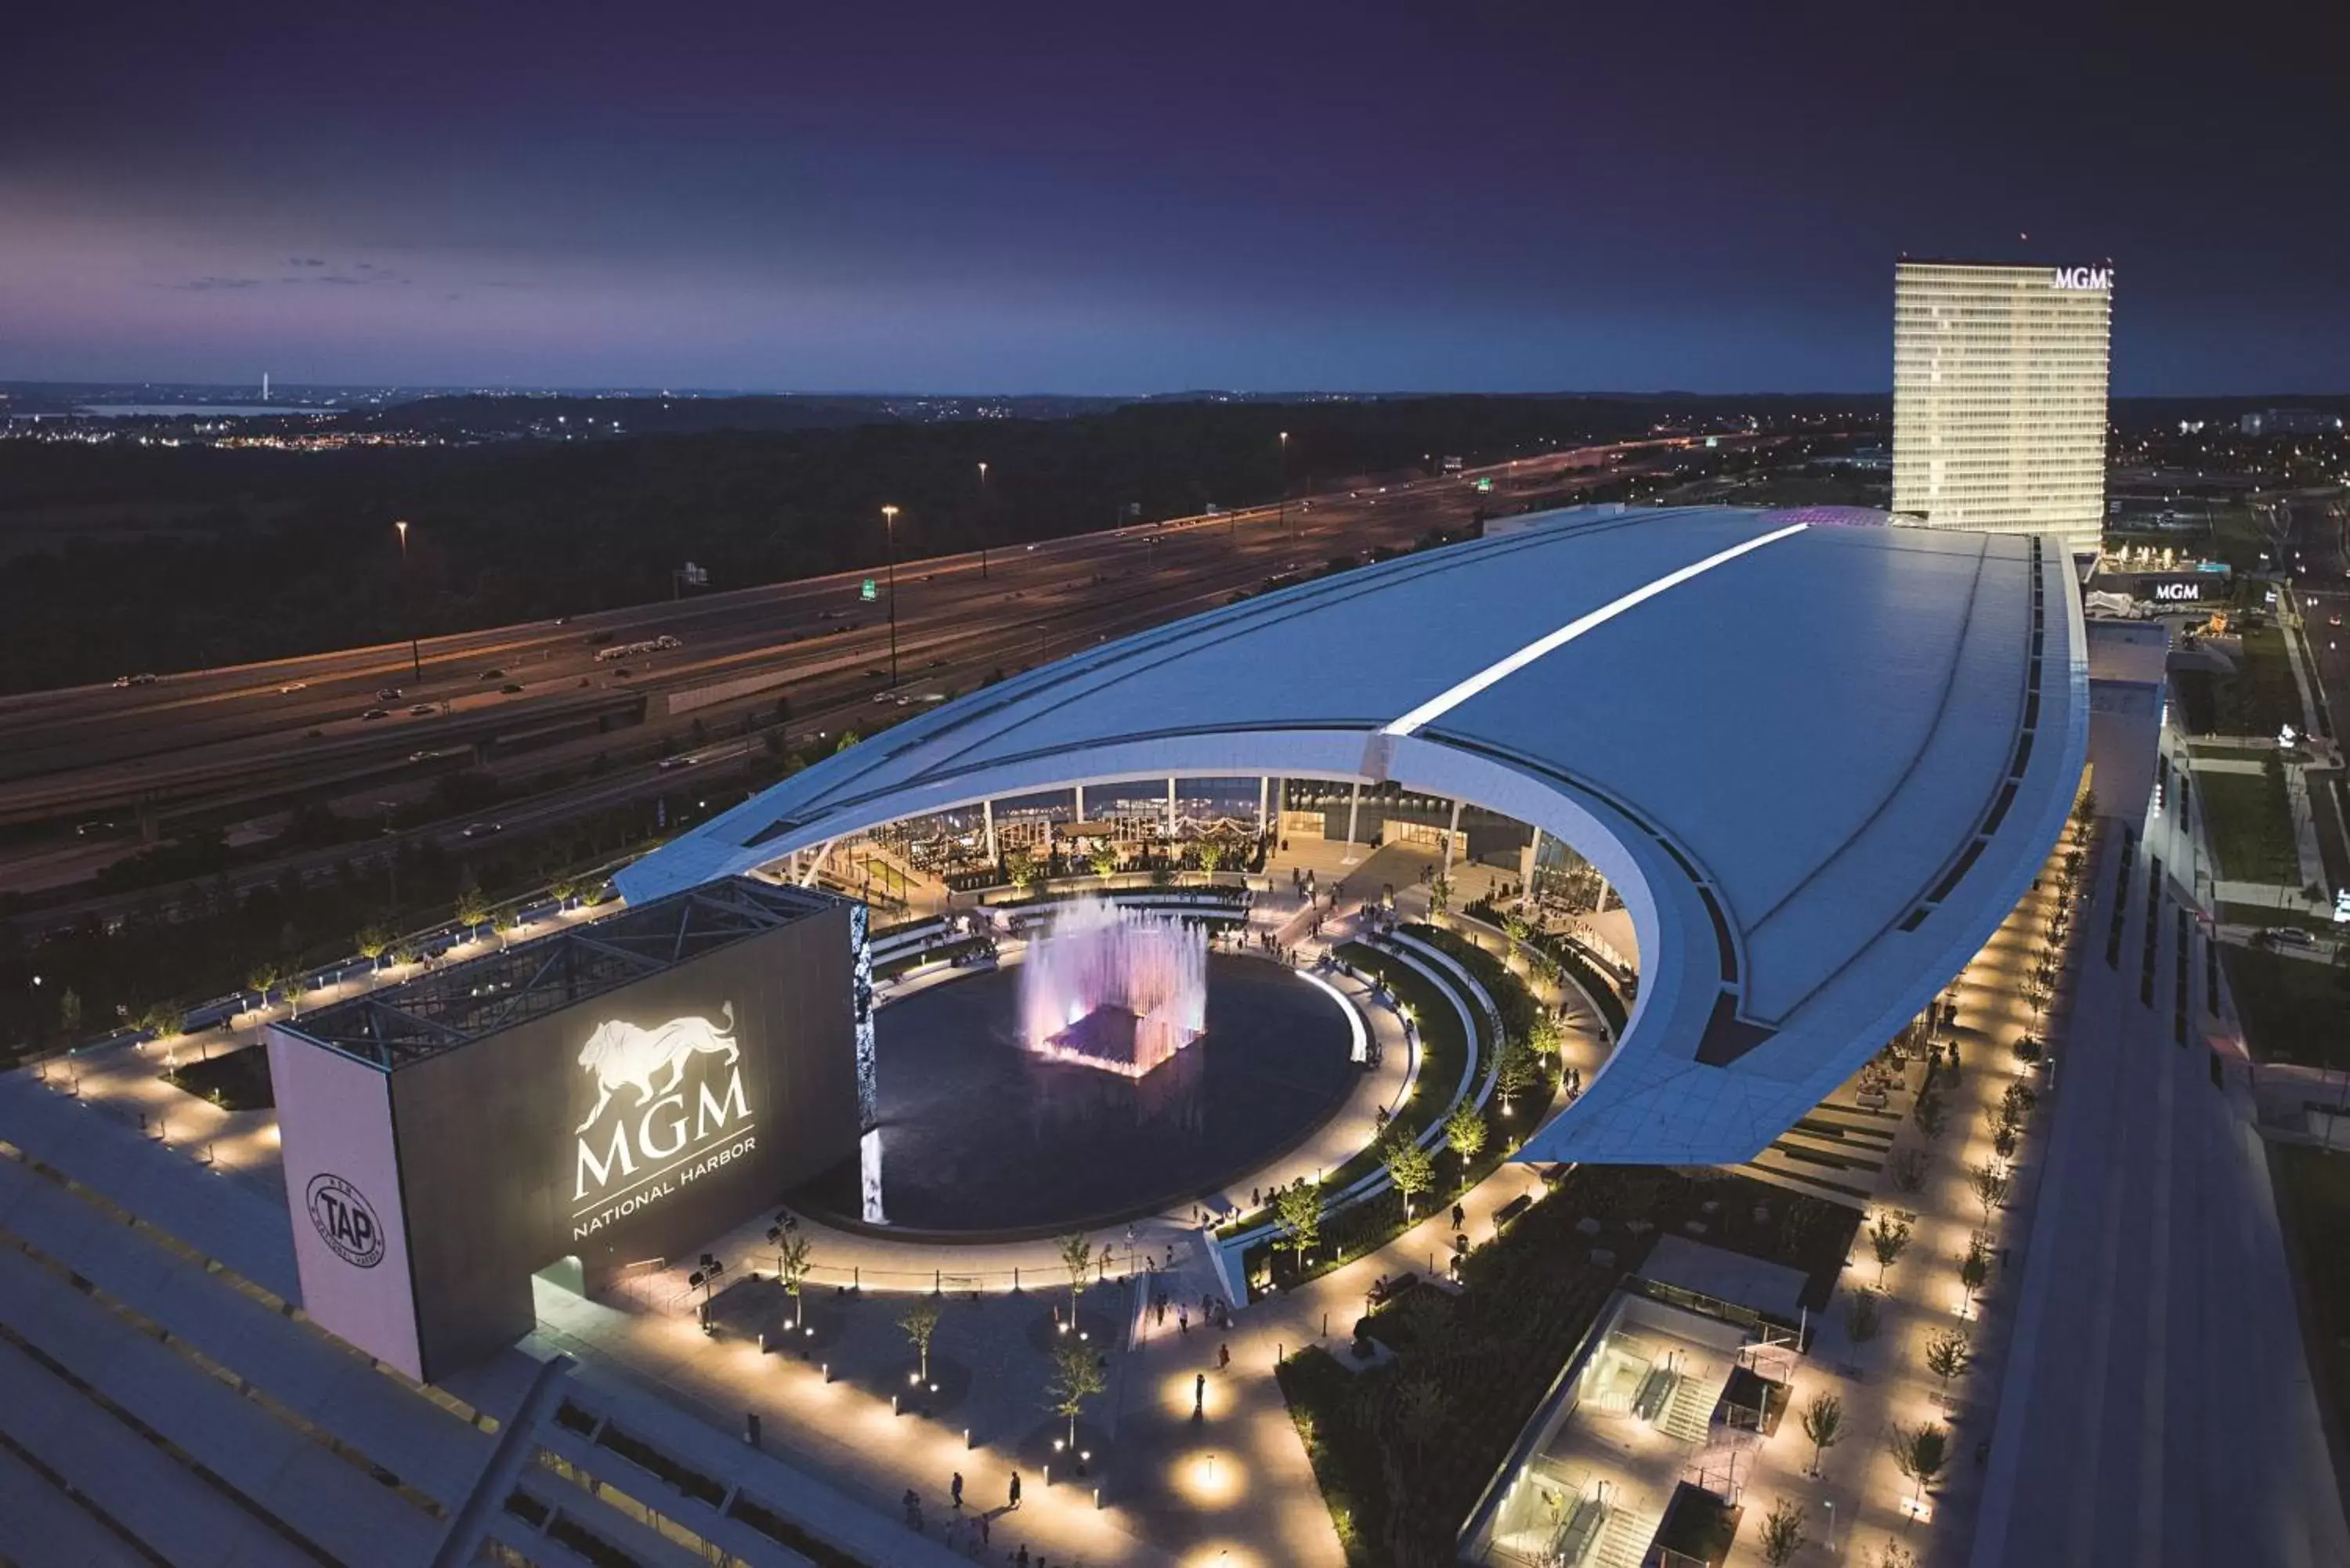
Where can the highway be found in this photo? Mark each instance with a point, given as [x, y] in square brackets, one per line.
[235, 746]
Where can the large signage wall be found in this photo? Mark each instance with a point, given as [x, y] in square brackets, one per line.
[635, 1126]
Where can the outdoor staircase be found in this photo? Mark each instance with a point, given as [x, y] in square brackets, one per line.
[1687, 1413]
[1623, 1540]
[1837, 1153]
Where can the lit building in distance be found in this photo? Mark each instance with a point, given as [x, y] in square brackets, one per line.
[1999, 376]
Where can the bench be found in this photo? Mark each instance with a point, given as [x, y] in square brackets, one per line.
[1511, 1211]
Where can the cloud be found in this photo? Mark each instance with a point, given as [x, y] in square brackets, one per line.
[201, 284]
[305, 261]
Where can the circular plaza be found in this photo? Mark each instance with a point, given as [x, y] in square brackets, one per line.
[981, 1136]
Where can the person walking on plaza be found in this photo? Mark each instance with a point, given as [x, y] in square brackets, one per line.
[1223, 1357]
[913, 1511]
[955, 1487]
[1198, 1396]
[1015, 1491]
[1182, 1318]
[1459, 1217]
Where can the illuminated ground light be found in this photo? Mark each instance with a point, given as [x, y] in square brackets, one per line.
[1210, 1478]
[1175, 1395]
[1223, 1555]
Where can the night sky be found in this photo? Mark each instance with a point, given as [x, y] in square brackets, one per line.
[1123, 198]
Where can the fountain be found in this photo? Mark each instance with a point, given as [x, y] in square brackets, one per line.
[1119, 989]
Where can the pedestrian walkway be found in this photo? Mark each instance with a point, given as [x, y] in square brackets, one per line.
[2158, 1409]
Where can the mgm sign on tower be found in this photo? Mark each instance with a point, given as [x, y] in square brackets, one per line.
[613, 1093]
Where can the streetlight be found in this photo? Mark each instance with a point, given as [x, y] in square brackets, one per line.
[1284, 482]
[982, 522]
[415, 660]
[890, 530]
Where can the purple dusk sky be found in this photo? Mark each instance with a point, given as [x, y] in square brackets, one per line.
[1109, 198]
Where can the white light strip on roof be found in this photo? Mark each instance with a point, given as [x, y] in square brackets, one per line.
[1501, 670]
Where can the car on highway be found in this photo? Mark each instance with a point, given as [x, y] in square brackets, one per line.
[419, 710]
[377, 713]
[389, 694]
[512, 689]
[669, 763]
[491, 675]
[2334, 619]
[124, 680]
[291, 687]
[2284, 937]
[666, 640]
[482, 829]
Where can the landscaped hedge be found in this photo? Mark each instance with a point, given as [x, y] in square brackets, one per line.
[1371, 1222]
[1396, 1490]
[1516, 1004]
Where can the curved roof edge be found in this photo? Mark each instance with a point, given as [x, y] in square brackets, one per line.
[1709, 1071]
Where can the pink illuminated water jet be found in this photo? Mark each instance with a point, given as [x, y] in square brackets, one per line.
[1114, 988]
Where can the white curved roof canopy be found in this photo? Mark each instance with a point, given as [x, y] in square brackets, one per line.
[1819, 762]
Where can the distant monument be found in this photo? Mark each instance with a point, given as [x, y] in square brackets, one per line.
[1121, 990]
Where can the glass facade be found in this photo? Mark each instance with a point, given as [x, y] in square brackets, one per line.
[2000, 377]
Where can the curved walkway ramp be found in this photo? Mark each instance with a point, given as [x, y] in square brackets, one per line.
[2158, 1409]
[1819, 763]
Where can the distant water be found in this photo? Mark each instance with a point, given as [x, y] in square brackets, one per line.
[191, 410]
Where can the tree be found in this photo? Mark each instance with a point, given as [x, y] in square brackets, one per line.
[262, 979]
[1860, 1317]
[1212, 855]
[1928, 1112]
[1989, 1182]
[1893, 1554]
[792, 1266]
[1464, 1131]
[163, 1021]
[1076, 1378]
[1077, 1257]
[1298, 1207]
[1440, 894]
[1824, 1425]
[1410, 1168]
[1103, 859]
[1974, 1268]
[1782, 1532]
[1515, 927]
[1020, 868]
[1888, 1238]
[472, 909]
[372, 942]
[1947, 1355]
[69, 1011]
[291, 988]
[1546, 1037]
[920, 1322]
[1920, 1452]
[1518, 1070]
[565, 889]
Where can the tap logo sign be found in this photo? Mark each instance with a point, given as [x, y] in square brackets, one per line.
[346, 1220]
[669, 1110]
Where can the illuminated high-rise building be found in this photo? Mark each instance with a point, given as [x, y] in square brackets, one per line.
[1999, 376]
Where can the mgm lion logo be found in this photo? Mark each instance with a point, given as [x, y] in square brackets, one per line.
[621, 1053]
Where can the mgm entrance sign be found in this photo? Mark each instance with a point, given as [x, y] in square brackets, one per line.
[611, 1093]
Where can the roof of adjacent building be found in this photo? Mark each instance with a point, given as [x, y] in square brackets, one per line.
[442, 1009]
[1819, 759]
